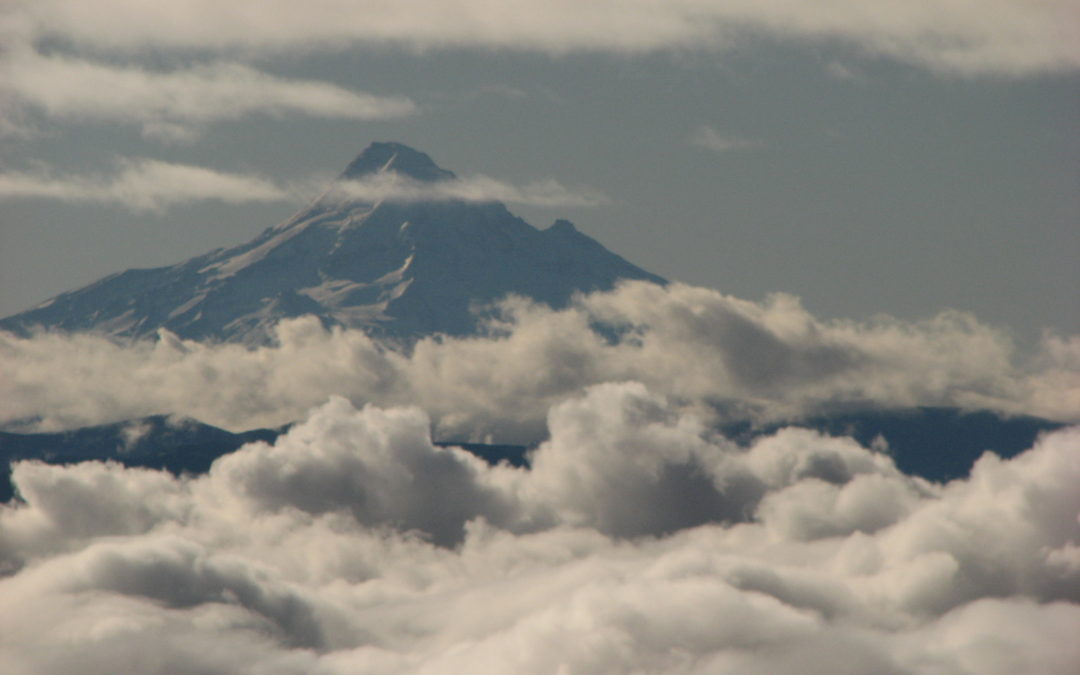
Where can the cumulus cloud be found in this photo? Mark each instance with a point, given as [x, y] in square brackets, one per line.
[392, 186]
[637, 541]
[176, 104]
[1011, 37]
[722, 357]
[143, 185]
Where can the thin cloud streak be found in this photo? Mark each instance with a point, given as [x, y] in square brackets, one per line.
[147, 185]
[176, 105]
[143, 185]
[710, 139]
[392, 186]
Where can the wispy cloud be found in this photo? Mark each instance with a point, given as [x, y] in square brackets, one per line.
[1012, 37]
[153, 185]
[711, 139]
[396, 187]
[843, 72]
[143, 185]
[177, 104]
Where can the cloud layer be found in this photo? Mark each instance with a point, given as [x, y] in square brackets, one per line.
[74, 61]
[719, 356]
[1009, 37]
[638, 541]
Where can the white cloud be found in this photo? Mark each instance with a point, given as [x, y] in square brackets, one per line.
[1006, 36]
[312, 555]
[720, 356]
[395, 187]
[143, 185]
[177, 104]
[710, 139]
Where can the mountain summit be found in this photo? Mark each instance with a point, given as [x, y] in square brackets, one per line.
[397, 158]
[396, 267]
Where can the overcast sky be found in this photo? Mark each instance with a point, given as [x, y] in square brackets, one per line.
[901, 160]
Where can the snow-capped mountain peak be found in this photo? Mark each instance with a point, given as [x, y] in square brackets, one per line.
[395, 267]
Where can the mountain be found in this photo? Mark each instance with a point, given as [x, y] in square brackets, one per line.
[397, 266]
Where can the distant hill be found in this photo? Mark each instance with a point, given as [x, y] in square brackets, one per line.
[161, 442]
[157, 442]
[938, 444]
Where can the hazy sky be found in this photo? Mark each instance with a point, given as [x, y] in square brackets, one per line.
[900, 160]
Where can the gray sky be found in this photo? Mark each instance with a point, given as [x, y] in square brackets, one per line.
[900, 161]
